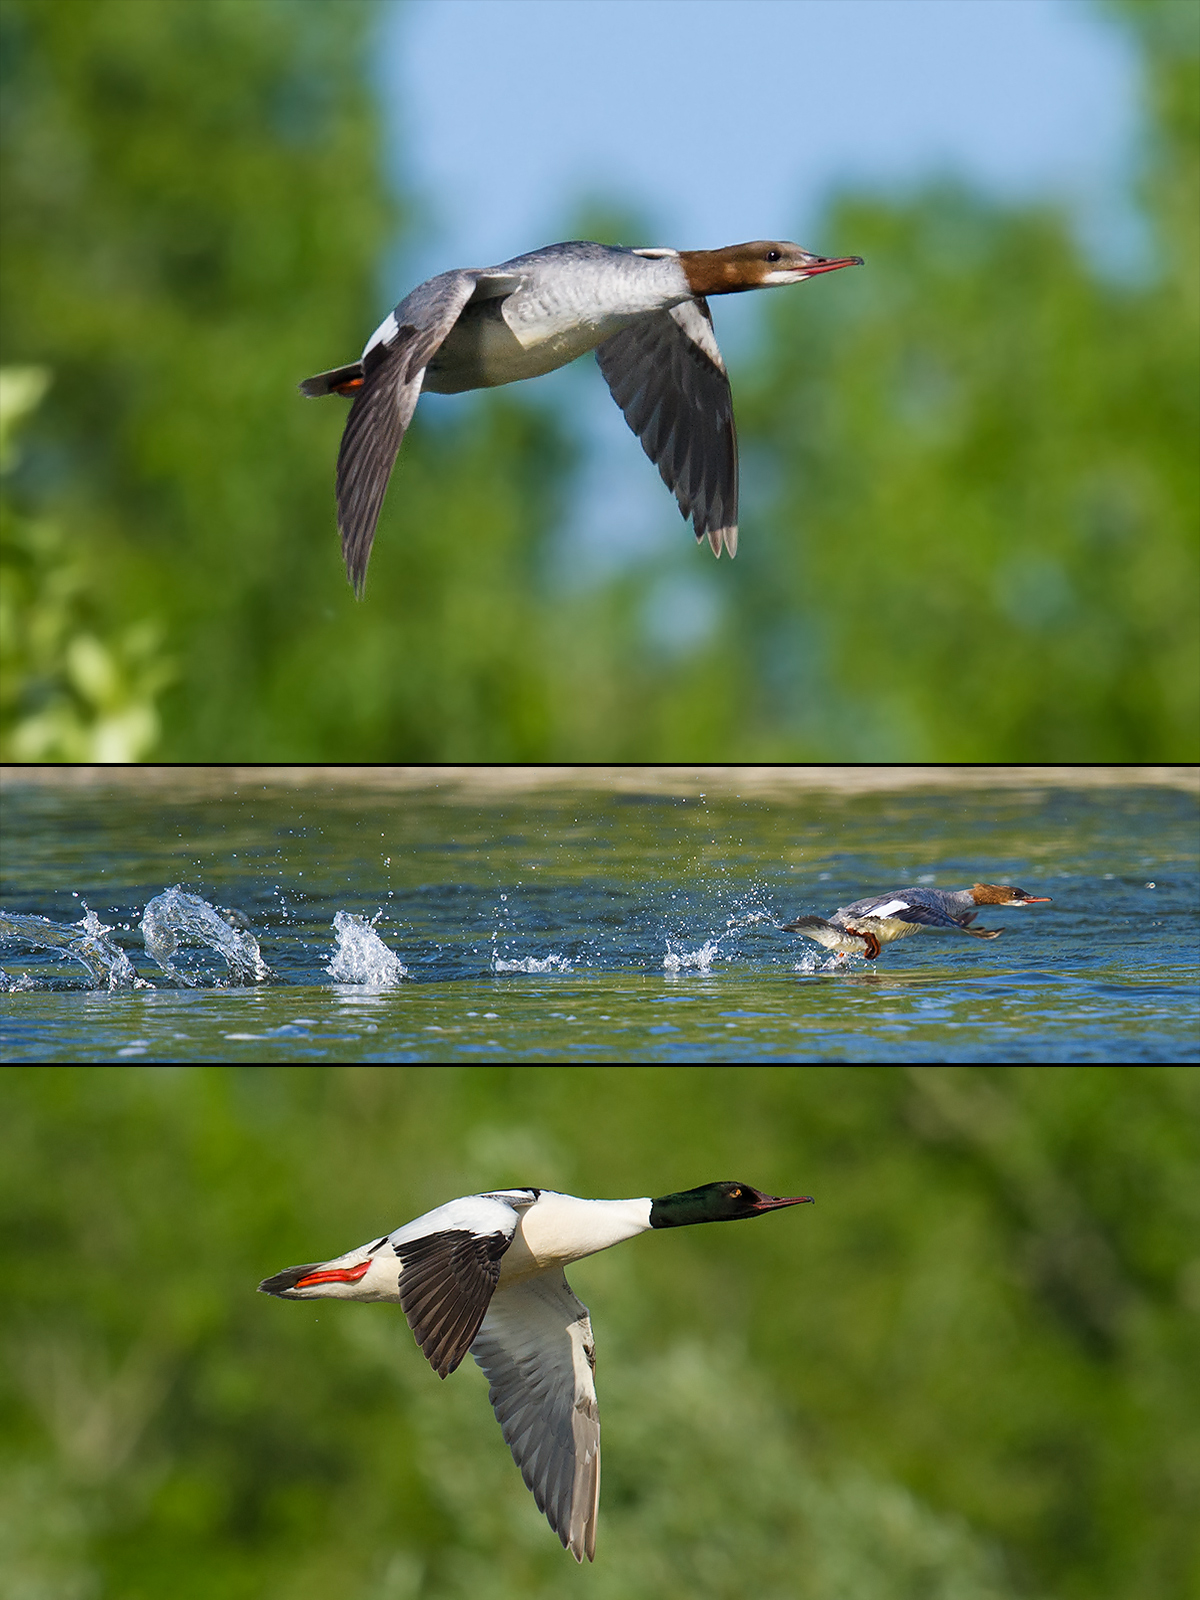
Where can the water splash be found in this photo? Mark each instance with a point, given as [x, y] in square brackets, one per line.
[175, 917]
[701, 960]
[810, 961]
[551, 963]
[361, 955]
[738, 920]
[85, 941]
[105, 960]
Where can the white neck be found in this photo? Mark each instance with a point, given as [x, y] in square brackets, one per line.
[560, 1228]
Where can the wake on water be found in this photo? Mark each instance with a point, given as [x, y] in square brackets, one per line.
[199, 945]
[84, 942]
[550, 963]
[196, 945]
[702, 959]
[679, 960]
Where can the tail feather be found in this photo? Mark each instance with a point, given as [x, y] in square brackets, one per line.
[286, 1280]
[845, 940]
[340, 380]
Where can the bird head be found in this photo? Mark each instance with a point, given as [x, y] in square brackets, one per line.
[999, 894]
[716, 1202]
[762, 264]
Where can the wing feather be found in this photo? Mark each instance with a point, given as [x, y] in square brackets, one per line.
[447, 1280]
[666, 373]
[535, 1346]
[928, 916]
[392, 370]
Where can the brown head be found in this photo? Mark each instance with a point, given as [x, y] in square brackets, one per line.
[999, 894]
[763, 264]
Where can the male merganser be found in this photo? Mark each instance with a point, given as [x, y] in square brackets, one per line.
[484, 1274]
[864, 927]
[645, 314]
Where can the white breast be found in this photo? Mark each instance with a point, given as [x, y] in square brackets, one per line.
[560, 1228]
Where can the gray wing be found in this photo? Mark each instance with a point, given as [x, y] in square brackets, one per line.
[535, 1345]
[383, 408]
[909, 905]
[667, 376]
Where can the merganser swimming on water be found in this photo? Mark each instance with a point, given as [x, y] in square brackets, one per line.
[645, 314]
[484, 1274]
[864, 927]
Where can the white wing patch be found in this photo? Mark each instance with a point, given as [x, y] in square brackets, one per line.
[475, 1213]
[384, 333]
[692, 316]
[888, 908]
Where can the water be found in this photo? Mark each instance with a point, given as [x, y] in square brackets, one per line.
[84, 941]
[187, 916]
[175, 920]
[361, 955]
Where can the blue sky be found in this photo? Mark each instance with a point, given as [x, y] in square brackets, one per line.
[724, 120]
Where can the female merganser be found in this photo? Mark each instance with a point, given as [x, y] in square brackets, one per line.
[484, 1274]
[864, 927]
[645, 314]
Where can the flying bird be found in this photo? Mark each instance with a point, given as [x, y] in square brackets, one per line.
[485, 1274]
[644, 312]
[863, 928]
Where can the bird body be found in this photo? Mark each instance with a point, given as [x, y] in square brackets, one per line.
[535, 316]
[862, 928]
[644, 312]
[484, 1274]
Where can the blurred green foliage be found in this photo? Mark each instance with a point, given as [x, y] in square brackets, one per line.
[991, 455]
[967, 1373]
[69, 689]
[969, 469]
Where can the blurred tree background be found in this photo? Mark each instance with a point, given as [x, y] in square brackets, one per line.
[971, 479]
[967, 1373]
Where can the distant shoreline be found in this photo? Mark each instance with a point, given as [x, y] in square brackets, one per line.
[457, 782]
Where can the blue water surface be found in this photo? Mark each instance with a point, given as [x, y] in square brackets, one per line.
[581, 924]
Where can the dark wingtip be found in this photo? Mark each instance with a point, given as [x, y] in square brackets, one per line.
[356, 565]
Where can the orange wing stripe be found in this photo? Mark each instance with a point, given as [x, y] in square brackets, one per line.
[337, 1275]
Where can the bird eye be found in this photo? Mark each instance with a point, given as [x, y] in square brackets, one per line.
[735, 1194]
[774, 255]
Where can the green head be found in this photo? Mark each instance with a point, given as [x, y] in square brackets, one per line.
[715, 1202]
